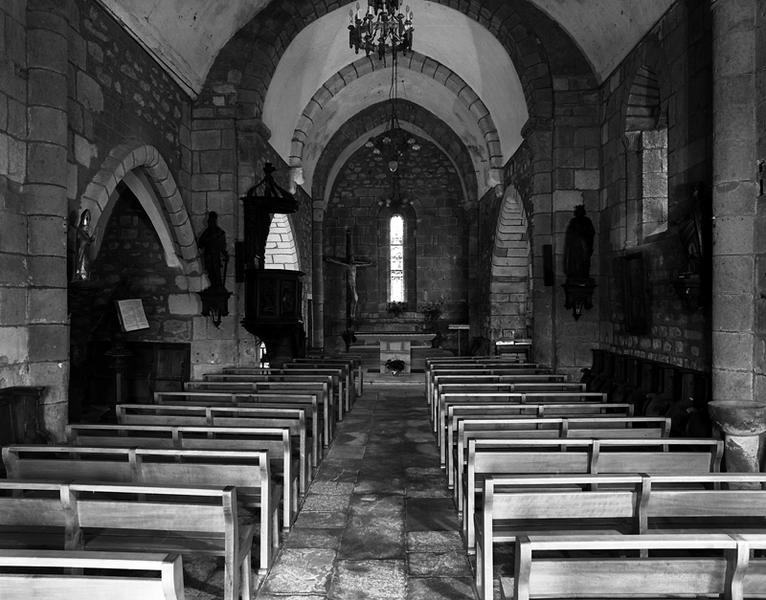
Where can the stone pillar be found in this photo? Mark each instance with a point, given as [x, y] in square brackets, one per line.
[46, 205]
[734, 199]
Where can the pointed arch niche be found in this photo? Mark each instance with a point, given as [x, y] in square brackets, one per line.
[510, 284]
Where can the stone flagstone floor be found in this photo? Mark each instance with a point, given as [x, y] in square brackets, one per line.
[378, 522]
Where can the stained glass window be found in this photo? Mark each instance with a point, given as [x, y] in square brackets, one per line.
[396, 270]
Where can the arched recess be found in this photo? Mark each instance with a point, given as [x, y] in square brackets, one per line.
[646, 159]
[145, 172]
[281, 250]
[466, 108]
[510, 283]
[371, 121]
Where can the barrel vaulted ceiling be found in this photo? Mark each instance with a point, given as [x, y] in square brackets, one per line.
[188, 36]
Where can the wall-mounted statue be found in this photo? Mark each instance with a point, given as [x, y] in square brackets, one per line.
[578, 245]
[215, 257]
[83, 241]
[212, 242]
[578, 250]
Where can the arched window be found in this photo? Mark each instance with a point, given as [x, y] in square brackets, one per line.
[396, 259]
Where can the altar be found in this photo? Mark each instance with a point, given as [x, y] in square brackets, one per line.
[396, 344]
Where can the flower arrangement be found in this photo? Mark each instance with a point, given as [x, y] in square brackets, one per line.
[431, 311]
[396, 309]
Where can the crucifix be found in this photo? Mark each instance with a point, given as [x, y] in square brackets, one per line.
[350, 264]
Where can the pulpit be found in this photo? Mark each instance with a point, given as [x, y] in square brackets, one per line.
[395, 344]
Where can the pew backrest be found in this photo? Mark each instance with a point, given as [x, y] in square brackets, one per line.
[70, 575]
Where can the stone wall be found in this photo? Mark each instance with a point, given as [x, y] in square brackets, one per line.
[677, 50]
[357, 202]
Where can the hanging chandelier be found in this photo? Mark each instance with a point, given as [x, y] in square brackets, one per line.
[382, 28]
[395, 144]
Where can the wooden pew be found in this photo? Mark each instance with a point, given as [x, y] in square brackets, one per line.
[690, 566]
[249, 471]
[276, 441]
[445, 365]
[498, 457]
[589, 428]
[577, 426]
[440, 413]
[287, 388]
[188, 519]
[258, 405]
[505, 379]
[353, 363]
[457, 384]
[346, 375]
[558, 504]
[487, 374]
[447, 436]
[279, 375]
[70, 575]
[478, 398]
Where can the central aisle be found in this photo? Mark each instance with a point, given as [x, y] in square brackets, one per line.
[378, 521]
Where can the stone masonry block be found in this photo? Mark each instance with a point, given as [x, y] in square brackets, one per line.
[47, 236]
[89, 92]
[13, 306]
[13, 237]
[566, 200]
[48, 305]
[46, 271]
[13, 269]
[48, 343]
[733, 235]
[17, 160]
[587, 179]
[47, 164]
[47, 125]
[84, 151]
[206, 139]
[47, 50]
[184, 304]
[14, 345]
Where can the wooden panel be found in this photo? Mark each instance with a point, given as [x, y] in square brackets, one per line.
[40, 512]
[164, 516]
[563, 505]
[606, 577]
[707, 503]
[531, 462]
[68, 587]
[654, 462]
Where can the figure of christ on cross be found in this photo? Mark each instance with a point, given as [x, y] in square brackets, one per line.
[350, 264]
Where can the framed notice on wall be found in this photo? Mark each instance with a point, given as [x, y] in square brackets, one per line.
[131, 314]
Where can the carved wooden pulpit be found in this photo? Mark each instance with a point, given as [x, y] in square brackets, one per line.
[273, 297]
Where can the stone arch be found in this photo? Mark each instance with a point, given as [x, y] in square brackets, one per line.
[142, 168]
[257, 48]
[510, 281]
[370, 121]
[281, 249]
[417, 63]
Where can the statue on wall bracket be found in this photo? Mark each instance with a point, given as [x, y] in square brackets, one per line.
[578, 249]
[215, 256]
